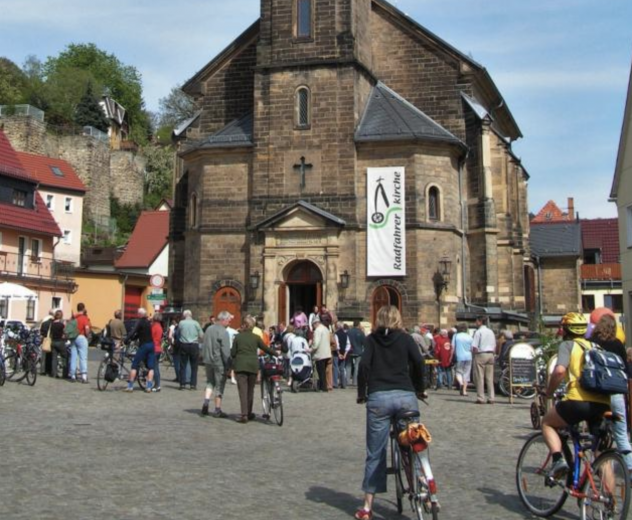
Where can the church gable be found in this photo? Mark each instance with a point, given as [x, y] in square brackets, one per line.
[301, 216]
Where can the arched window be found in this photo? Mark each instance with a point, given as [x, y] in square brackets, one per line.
[193, 211]
[303, 108]
[434, 204]
[303, 24]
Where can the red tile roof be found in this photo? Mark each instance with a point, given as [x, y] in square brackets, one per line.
[38, 220]
[148, 239]
[603, 234]
[10, 164]
[550, 213]
[40, 167]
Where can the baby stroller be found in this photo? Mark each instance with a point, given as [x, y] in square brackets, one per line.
[302, 371]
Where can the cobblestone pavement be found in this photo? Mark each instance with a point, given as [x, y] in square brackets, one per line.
[72, 452]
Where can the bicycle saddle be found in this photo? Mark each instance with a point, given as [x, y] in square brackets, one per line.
[407, 414]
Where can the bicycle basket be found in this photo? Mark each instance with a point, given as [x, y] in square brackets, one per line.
[272, 369]
[415, 436]
[111, 372]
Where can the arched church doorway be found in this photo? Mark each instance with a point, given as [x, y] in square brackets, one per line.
[302, 287]
[228, 299]
[383, 296]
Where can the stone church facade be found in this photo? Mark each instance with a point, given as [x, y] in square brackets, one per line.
[271, 198]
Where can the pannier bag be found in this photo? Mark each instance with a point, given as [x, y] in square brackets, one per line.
[604, 372]
[272, 369]
[111, 372]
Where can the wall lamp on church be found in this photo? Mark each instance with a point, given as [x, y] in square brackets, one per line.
[254, 280]
[441, 277]
[344, 279]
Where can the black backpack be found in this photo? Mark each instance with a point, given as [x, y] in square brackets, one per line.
[603, 372]
[111, 372]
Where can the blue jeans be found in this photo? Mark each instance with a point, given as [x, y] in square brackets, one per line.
[334, 359]
[342, 373]
[444, 377]
[381, 408]
[157, 372]
[620, 429]
[355, 363]
[176, 367]
[79, 349]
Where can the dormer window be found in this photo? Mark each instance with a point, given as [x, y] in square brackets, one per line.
[19, 198]
[303, 109]
[304, 18]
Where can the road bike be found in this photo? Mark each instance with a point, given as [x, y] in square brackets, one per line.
[598, 477]
[114, 366]
[410, 464]
[271, 392]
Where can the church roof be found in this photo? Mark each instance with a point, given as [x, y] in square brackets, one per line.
[480, 111]
[556, 240]
[237, 133]
[389, 117]
[304, 205]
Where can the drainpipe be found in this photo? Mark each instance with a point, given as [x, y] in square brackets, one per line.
[539, 301]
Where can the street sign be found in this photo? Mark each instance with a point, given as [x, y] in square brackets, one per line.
[156, 297]
[157, 280]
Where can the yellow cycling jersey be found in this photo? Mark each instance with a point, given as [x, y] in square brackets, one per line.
[574, 371]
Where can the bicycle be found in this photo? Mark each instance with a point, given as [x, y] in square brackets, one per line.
[271, 392]
[20, 362]
[114, 367]
[3, 372]
[602, 488]
[410, 457]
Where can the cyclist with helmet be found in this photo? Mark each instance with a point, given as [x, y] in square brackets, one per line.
[578, 404]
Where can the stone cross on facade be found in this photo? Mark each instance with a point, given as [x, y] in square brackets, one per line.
[302, 170]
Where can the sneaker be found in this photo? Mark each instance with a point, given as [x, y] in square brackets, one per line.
[128, 389]
[204, 409]
[156, 389]
[251, 416]
[84, 381]
[220, 415]
[233, 381]
[363, 514]
[558, 470]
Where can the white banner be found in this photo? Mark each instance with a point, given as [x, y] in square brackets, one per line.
[386, 222]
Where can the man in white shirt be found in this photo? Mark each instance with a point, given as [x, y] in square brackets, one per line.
[484, 349]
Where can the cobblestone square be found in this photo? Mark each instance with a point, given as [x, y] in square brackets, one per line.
[72, 452]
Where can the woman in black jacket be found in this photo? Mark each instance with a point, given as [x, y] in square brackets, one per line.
[390, 380]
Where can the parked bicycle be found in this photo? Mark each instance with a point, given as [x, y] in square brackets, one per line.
[410, 463]
[20, 362]
[116, 366]
[271, 392]
[598, 478]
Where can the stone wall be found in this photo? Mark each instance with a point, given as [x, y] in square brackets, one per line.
[127, 171]
[560, 285]
[105, 173]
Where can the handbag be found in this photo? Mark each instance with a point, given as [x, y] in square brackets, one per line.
[46, 342]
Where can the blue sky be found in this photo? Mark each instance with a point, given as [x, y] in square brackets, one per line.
[561, 65]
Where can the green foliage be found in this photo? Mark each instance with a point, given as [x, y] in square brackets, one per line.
[121, 82]
[125, 216]
[12, 83]
[175, 108]
[159, 173]
[90, 113]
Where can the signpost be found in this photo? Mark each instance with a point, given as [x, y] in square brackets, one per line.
[522, 372]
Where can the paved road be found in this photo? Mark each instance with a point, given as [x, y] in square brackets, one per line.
[70, 451]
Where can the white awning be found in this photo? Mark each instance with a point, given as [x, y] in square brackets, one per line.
[14, 291]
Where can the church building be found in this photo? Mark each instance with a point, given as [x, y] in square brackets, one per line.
[344, 155]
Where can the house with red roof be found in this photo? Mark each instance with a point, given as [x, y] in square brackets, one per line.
[63, 192]
[28, 238]
[601, 267]
[552, 214]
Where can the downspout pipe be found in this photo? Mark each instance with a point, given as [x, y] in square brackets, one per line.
[538, 263]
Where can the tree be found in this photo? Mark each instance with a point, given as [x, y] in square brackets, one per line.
[123, 82]
[90, 113]
[159, 173]
[12, 83]
[175, 108]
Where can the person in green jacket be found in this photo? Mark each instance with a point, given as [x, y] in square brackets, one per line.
[246, 365]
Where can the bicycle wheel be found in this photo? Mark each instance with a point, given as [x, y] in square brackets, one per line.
[3, 372]
[19, 368]
[396, 468]
[277, 403]
[419, 487]
[102, 384]
[141, 375]
[609, 497]
[11, 363]
[525, 392]
[503, 382]
[265, 398]
[539, 494]
[30, 371]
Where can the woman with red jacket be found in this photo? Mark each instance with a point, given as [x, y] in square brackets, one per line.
[156, 336]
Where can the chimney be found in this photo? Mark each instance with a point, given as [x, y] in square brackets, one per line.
[571, 208]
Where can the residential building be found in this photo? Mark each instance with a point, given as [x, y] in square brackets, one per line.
[601, 269]
[63, 192]
[28, 237]
[345, 155]
[621, 194]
